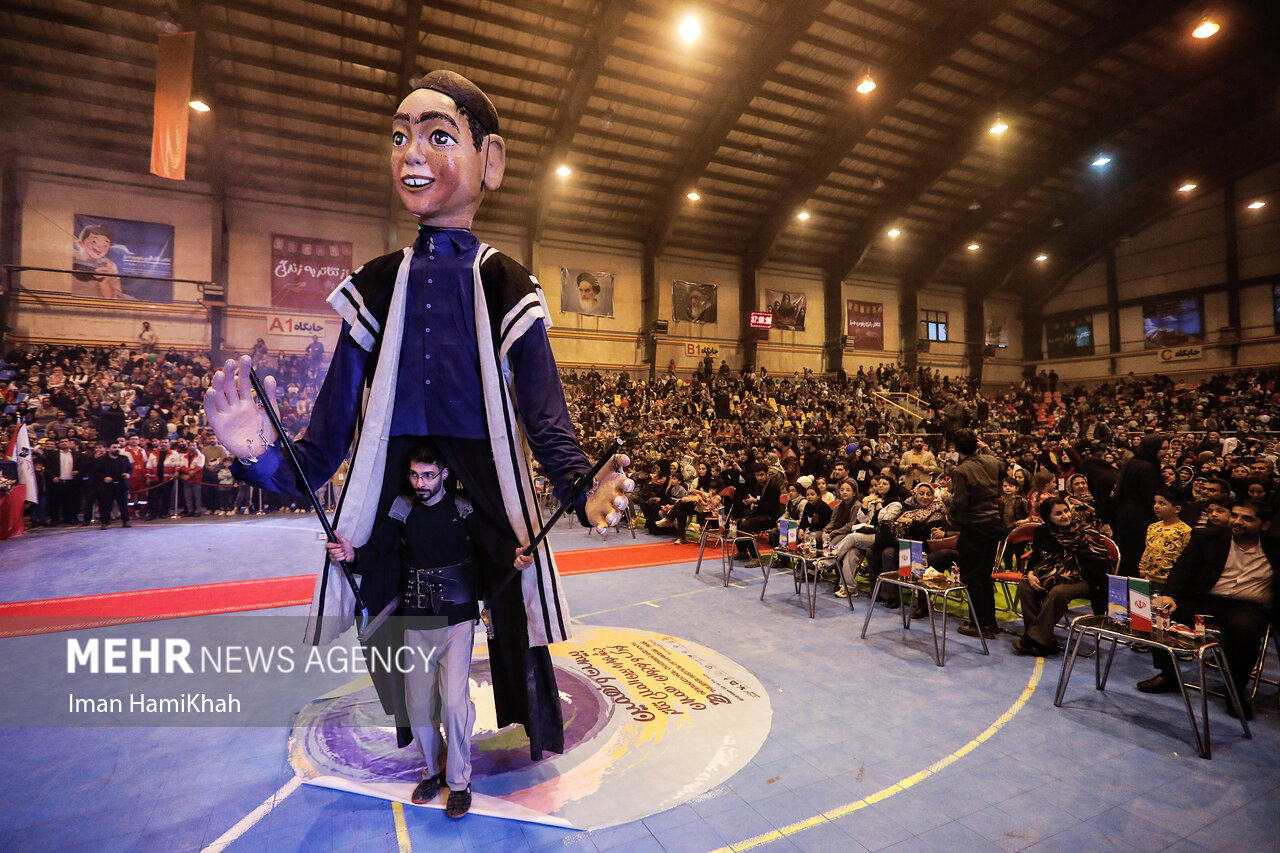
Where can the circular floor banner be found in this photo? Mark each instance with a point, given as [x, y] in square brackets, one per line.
[651, 721]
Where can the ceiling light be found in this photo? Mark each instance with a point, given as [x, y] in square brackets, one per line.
[690, 29]
[1206, 29]
[895, 233]
[1187, 187]
[1042, 257]
[1101, 160]
[999, 127]
[1057, 223]
[803, 216]
[1257, 205]
[198, 105]
[877, 183]
[975, 205]
[757, 153]
[564, 171]
[606, 120]
[973, 247]
[692, 195]
[868, 85]
[415, 82]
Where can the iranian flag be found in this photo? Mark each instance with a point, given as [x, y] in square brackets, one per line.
[19, 450]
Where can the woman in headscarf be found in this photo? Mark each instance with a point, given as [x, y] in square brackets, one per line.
[1132, 499]
[923, 518]
[1068, 560]
[839, 530]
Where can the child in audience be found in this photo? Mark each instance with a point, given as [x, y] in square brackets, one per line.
[1166, 538]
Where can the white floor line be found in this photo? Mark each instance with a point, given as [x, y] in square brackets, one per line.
[246, 823]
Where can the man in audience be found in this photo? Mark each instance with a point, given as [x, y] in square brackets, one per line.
[109, 479]
[163, 465]
[919, 464]
[975, 509]
[1227, 575]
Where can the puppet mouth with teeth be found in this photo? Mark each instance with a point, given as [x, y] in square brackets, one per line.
[415, 182]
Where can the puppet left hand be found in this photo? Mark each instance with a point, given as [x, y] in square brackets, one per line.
[522, 560]
[607, 500]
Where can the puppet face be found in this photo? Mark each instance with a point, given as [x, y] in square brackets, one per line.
[438, 173]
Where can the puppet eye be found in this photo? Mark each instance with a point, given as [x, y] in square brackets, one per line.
[440, 137]
[398, 138]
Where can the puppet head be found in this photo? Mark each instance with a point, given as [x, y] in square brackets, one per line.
[445, 150]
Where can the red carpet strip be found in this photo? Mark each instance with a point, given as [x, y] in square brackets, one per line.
[50, 615]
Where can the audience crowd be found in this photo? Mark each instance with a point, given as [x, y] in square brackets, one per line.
[1132, 468]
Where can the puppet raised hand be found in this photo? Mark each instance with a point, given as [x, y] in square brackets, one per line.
[234, 414]
[609, 497]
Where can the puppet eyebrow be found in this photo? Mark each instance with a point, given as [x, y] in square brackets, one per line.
[426, 117]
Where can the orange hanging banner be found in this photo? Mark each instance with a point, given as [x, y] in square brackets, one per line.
[173, 91]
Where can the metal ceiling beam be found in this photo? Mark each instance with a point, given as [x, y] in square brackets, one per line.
[1138, 16]
[590, 62]
[1237, 140]
[936, 44]
[772, 46]
[1044, 164]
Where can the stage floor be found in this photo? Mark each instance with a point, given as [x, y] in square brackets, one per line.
[871, 745]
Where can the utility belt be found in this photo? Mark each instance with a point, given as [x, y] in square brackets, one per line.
[434, 590]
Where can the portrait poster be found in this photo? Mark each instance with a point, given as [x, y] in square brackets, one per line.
[305, 270]
[997, 332]
[1173, 322]
[865, 324]
[788, 309]
[693, 302]
[586, 292]
[1069, 336]
[107, 254]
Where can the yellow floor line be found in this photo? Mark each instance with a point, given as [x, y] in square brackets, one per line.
[402, 830]
[897, 787]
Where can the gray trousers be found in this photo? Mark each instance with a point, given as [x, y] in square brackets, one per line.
[1042, 610]
[438, 695]
[850, 550]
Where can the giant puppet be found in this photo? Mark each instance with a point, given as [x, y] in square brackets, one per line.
[446, 339]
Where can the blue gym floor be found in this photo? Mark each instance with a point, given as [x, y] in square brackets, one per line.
[972, 757]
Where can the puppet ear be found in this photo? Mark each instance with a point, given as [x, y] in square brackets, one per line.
[495, 161]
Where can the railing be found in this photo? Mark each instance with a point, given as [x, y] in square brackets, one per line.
[907, 402]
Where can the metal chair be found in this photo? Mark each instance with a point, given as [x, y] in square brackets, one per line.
[1020, 535]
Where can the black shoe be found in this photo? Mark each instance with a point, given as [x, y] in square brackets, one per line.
[893, 605]
[1244, 703]
[1025, 645]
[1158, 684]
[459, 803]
[427, 790]
[103, 527]
[753, 563]
[968, 629]
[126, 524]
[919, 612]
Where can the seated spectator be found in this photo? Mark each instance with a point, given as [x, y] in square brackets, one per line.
[1229, 575]
[1068, 560]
